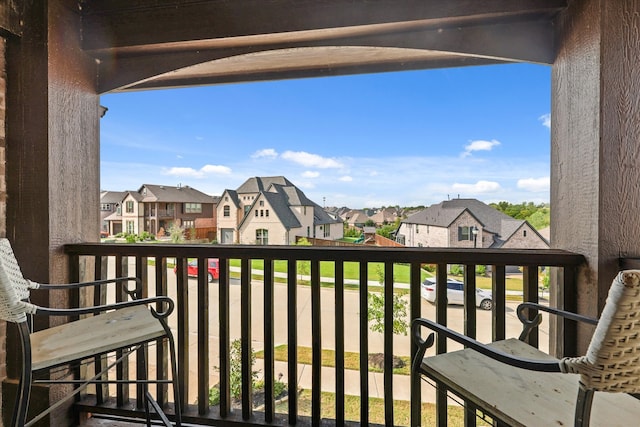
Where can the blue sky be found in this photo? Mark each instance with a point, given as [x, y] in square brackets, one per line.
[405, 138]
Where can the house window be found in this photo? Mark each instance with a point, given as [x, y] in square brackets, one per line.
[188, 223]
[226, 210]
[246, 209]
[326, 230]
[226, 198]
[266, 212]
[105, 207]
[308, 231]
[129, 207]
[261, 202]
[256, 213]
[261, 212]
[262, 236]
[464, 233]
[524, 233]
[417, 229]
[131, 227]
[192, 208]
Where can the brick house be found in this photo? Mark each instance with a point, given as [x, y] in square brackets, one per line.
[154, 208]
[467, 223]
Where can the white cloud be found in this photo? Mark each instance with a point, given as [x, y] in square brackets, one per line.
[478, 187]
[310, 174]
[536, 185]
[267, 152]
[479, 145]
[198, 173]
[311, 160]
[346, 178]
[216, 169]
[546, 120]
[179, 156]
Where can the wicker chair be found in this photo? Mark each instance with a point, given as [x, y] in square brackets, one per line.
[125, 326]
[611, 364]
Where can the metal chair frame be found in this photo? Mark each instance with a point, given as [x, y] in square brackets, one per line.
[16, 308]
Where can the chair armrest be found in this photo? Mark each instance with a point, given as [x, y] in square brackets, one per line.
[100, 308]
[529, 324]
[509, 359]
[134, 294]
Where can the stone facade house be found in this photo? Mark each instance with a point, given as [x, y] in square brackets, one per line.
[154, 208]
[467, 223]
[271, 210]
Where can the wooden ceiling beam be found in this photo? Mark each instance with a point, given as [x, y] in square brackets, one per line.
[531, 42]
[115, 24]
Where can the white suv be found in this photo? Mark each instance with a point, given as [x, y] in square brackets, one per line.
[455, 293]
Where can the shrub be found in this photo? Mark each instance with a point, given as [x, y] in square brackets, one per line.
[481, 270]
[456, 270]
[131, 238]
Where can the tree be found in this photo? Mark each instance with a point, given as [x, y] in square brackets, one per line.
[376, 309]
[176, 232]
[303, 267]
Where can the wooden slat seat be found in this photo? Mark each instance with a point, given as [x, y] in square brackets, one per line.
[94, 335]
[521, 397]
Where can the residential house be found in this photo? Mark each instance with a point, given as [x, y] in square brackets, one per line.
[355, 218]
[110, 212]
[467, 223]
[154, 208]
[384, 216]
[271, 210]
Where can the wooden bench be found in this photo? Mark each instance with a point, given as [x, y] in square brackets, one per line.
[518, 385]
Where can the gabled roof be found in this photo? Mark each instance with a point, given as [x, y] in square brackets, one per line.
[134, 195]
[182, 194]
[295, 197]
[280, 208]
[321, 217]
[112, 196]
[257, 184]
[233, 196]
[444, 213]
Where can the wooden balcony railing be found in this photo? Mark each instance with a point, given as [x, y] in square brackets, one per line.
[205, 323]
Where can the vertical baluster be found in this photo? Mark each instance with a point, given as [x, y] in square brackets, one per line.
[269, 363]
[142, 361]
[245, 333]
[470, 327]
[388, 343]
[498, 285]
[162, 346]
[568, 332]
[100, 298]
[364, 344]
[122, 369]
[292, 339]
[339, 334]
[223, 320]
[415, 307]
[530, 294]
[182, 308]
[203, 336]
[441, 342]
[316, 345]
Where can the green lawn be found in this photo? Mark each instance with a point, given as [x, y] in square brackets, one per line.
[401, 272]
[351, 359]
[401, 410]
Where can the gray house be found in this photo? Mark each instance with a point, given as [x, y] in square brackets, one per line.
[467, 223]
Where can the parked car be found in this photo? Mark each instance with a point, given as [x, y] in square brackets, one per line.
[213, 271]
[455, 293]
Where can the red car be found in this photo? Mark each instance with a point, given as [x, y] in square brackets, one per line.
[213, 272]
